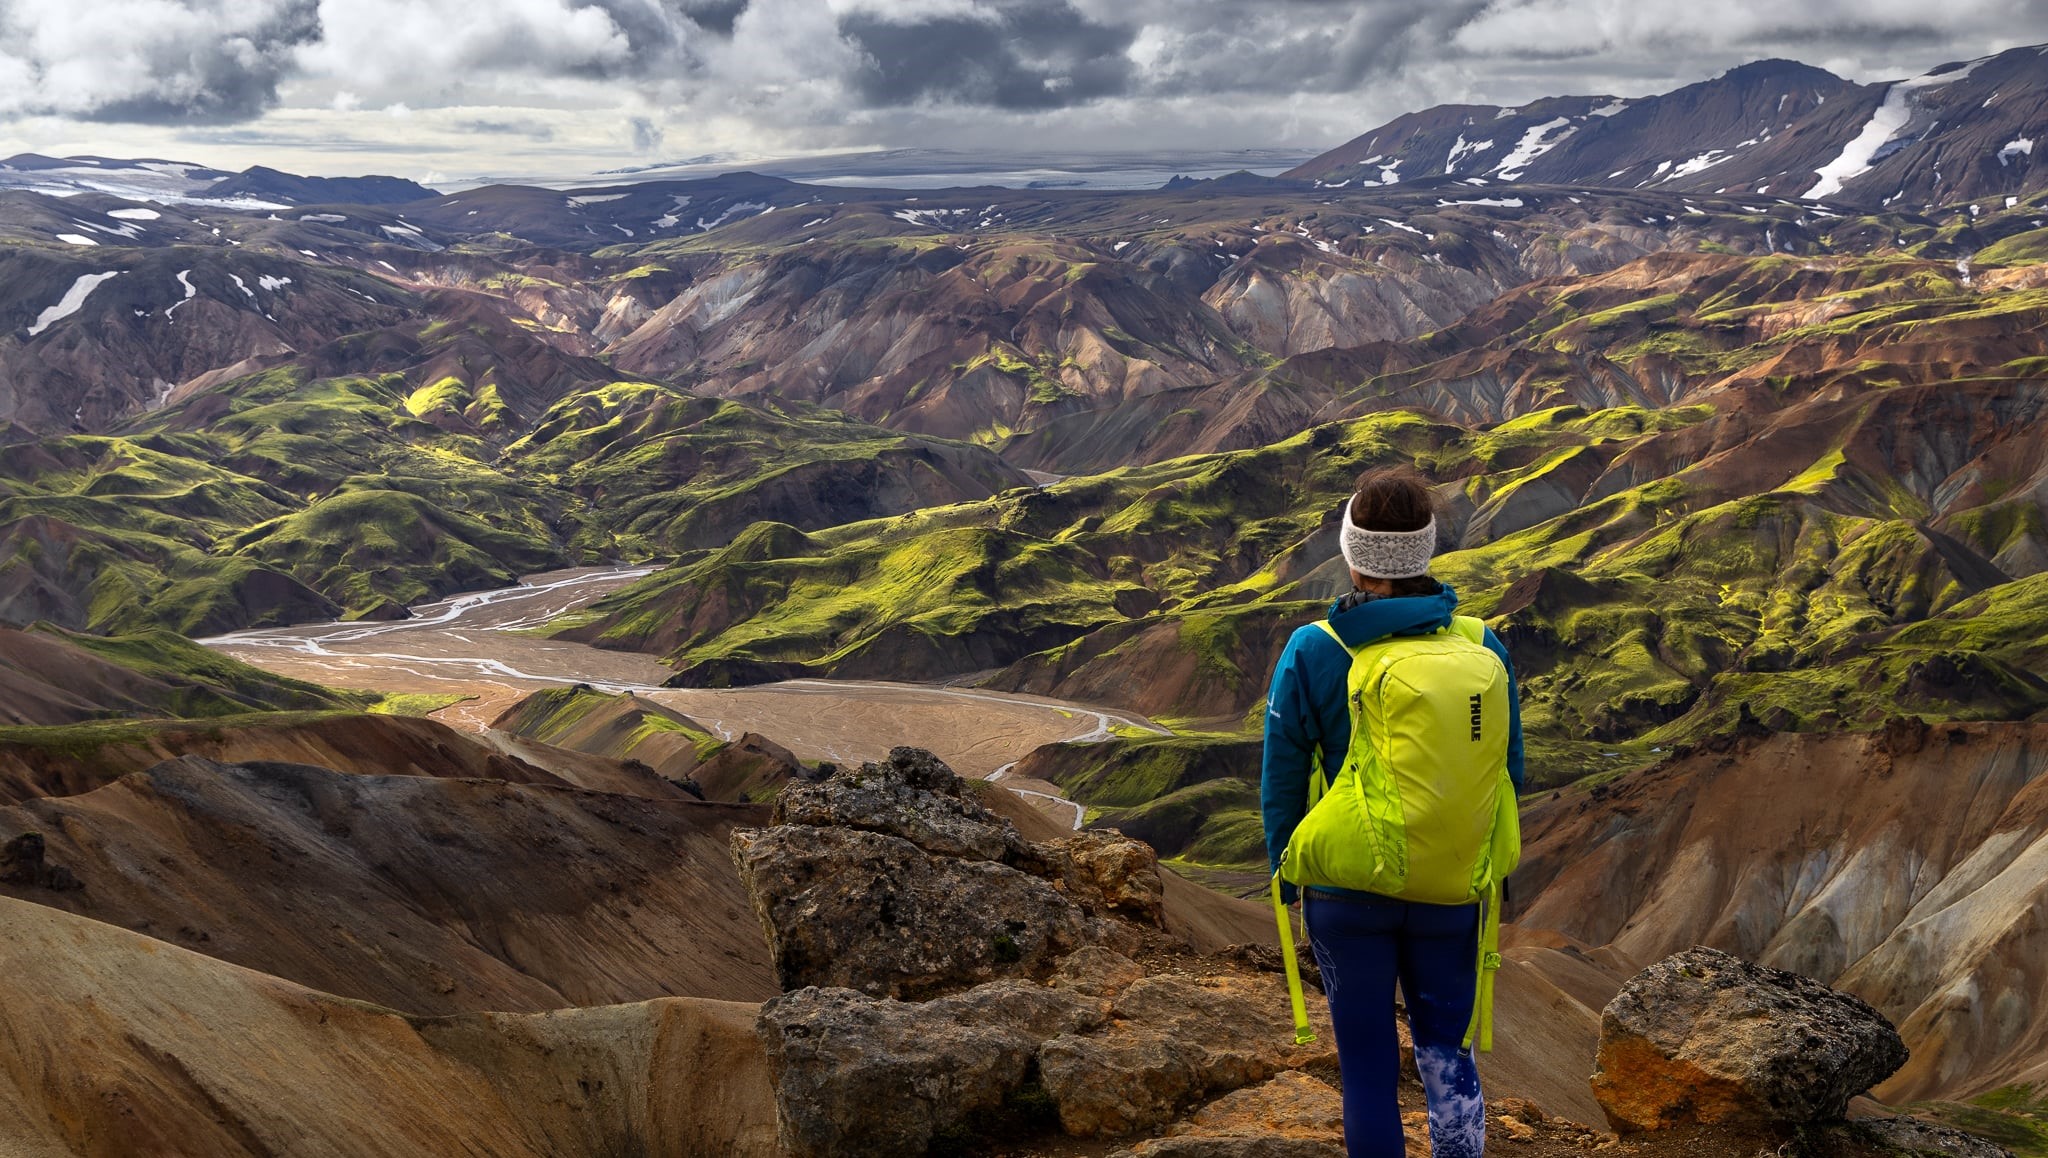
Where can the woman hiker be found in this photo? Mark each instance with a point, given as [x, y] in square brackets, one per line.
[1364, 941]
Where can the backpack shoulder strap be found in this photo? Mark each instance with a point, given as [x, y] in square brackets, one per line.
[1470, 626]
[1330, 630]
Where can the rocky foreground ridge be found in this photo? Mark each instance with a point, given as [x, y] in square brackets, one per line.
[494, 958]
[952, 987]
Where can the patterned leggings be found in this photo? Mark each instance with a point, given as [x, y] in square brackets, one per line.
[1363, 945]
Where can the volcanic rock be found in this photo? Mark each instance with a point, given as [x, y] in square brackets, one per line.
[1706, 1038]
[22, 863]
[887, 879]
[876, 913]
[1171, 1040]
[856, 1077]
[1291, 1116]
[1109, 874]
[914, 796]
[1911, 1136]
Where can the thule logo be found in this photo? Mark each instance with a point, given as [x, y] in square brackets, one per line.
[1475, 718]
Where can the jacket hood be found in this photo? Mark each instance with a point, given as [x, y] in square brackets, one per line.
[1361, 622]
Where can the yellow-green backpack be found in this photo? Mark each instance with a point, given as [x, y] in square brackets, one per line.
[1423, 808]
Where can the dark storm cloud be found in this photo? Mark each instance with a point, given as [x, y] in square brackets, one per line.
[1038, 54]
[897, 68]
[1301, 46]
[195, 62]
[714, 15]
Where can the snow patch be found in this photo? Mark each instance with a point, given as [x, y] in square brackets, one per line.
[1706, 160]
[76, 239]
[1610, 109]
[1462, 149]
[134, 214]
[242, 285]
[274, 284]
[1399, 225]
[583, 199]
[1534, 143]
[929, 218]
[72, 301]
[1502, 202]
[1887, 122]
[732, 211]
[191, 291]
[2018, 146]
[331, 218]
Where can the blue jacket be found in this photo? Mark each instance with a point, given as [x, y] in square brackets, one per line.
[1306, 713]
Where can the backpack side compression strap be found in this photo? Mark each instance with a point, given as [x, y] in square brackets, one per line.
[1302, 1033]
[1481, 1025]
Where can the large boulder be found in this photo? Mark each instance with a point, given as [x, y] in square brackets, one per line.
[1171, 1041]
[890, 879]
[1290, 1116]
[1102, 1050]
[1705, 1038]
[867, 911]
[860, 1078]
[1108, 874]
[912, 795]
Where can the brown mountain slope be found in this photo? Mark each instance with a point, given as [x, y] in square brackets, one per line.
[120, 1045]
[37, 762]
[433, 895]
[1909, 866]
[49, 676]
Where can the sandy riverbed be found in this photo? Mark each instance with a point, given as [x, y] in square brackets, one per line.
[473, 645]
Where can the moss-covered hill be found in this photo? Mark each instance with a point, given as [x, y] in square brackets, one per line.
[1834, 511]
[283, 497]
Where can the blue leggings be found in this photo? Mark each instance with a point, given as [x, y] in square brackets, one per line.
[1363, 945]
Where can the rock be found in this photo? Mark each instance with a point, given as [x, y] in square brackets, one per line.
[1267, 959]
[1914, 1138]
[877, 913]
[913, 796]
[1703, 1037]
[855, 1076]
[1108, 874]
[1291, 1116]
[22, 863]
[1514, 1129]
[1171, 1041]
[1097, 972]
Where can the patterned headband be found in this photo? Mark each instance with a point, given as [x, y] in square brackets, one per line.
[1387, 554]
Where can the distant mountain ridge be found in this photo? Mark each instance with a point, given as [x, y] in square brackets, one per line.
[154, 179]
[1958, 132]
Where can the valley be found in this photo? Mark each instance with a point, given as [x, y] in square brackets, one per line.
[414, 606]
[475, 648]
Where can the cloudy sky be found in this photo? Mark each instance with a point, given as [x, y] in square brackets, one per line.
[455, 89]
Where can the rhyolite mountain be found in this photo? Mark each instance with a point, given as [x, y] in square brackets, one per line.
[184, 182]
[1714, 464]
[1963, 131]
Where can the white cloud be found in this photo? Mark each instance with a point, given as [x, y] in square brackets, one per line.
[528, 86]
[421, 48]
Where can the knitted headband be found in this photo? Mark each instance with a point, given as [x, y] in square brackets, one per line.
[1387, 554]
